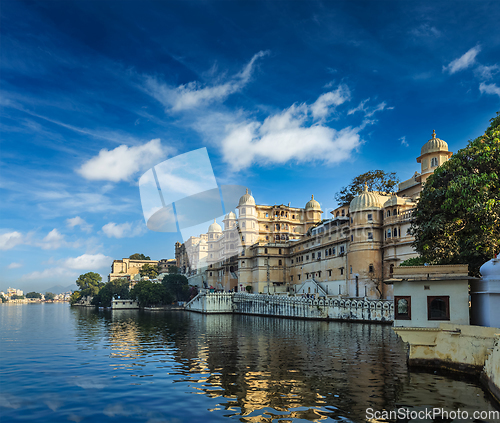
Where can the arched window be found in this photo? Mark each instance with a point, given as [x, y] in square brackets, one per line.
[343, 212]
[402, 308]
[438, 308]
[388, 213]
[434, 162]
[280, 262]
[330, 251]
[388, 233]
[277, 227]
[395, 232]
[293, 216]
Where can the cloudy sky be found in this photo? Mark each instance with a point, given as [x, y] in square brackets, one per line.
[289, 98]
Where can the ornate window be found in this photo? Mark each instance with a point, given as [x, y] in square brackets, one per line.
[402, 308]
[438, 308]
[434, 162]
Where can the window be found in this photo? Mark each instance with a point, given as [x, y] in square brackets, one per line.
[395, 232]
[299, 277]
[280, 262]
[319, 274]
[243, 211]
[402, 308]
[326, 252]
[319, 255]
[210, 273]
[343, 212]
[341, 270]
[329, 273]
[243, 225]
[313, 254]
[243, 252]
[438, 308]
[391, 269]
[291, 278]
[351, 220]
[267, 237]
[341, 249]
[352, 238]
[370, 268]
[370, 236]
[265, 250]
[267, 215]
[307, 257]
[434, 162]
[293, 216]
[333, 251]
[370, 216]
[388, 233]
[279, 251]
[350, 270]
[292, 261]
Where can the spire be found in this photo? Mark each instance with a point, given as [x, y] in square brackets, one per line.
[433, 133]
[312, 197]
[247, 191]
[366, 187]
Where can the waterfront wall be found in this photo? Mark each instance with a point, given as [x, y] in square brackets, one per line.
[381, 311]
[464, 348]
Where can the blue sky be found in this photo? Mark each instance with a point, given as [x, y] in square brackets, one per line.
[289, 98]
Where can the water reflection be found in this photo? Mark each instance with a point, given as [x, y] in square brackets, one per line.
[84, 365]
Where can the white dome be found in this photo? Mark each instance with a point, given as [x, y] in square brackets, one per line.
[312, 204]
[247, 200]
[214, 227]
[433, 145]
[491, 269]
[367, 201]
[230, 215]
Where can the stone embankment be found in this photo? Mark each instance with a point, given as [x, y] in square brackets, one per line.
[467, 349]
[379, 311]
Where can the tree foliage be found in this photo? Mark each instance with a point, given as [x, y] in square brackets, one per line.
[376, 180]
[33, 294]
[49, 296]
[117, 288]
[414, 261]
[150, 271]
[173, 270]
[138, 256]
[75, 297]
[89, 283]
[457, 219]
[177, 285]
[149, 293]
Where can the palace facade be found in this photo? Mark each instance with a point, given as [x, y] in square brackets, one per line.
[287, 249]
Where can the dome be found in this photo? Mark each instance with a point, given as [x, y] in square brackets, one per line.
[312, 204]
[367, 201]
[247, 200]
[214, 227]
[491, 269]
[433, 145]
[230, 215]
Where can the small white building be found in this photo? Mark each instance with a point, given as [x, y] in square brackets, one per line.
[122, 304]
[426, 296]
[485, 296]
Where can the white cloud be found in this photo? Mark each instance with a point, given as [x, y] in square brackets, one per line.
[369, 111]
[78, 221]
[425, 31]
[87, 261]
[121, 163]
[289, 135]
[486, 72]
[51, 273]
[404, 142]
[52, 241]
[463, 62]
[489, 88]
[14, 266]
[124, 230]
[194, 94]
[321, 108]
[10, 240]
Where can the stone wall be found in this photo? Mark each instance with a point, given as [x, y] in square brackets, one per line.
[294, 307]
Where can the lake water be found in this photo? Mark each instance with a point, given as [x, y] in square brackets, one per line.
[74, 364]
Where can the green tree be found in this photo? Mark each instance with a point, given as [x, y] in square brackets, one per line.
[414, 261]
[17, 297]
[376, 180]
[34, 294]
[173, 270]
[457, 219]
[49, 296]
[75, 297]
[138, 256]
[113, 289]
[149, 293]
[150, 271]
[89, 283]
[177, 285]
[4, 300]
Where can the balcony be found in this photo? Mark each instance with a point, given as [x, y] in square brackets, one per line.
[403, 217]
